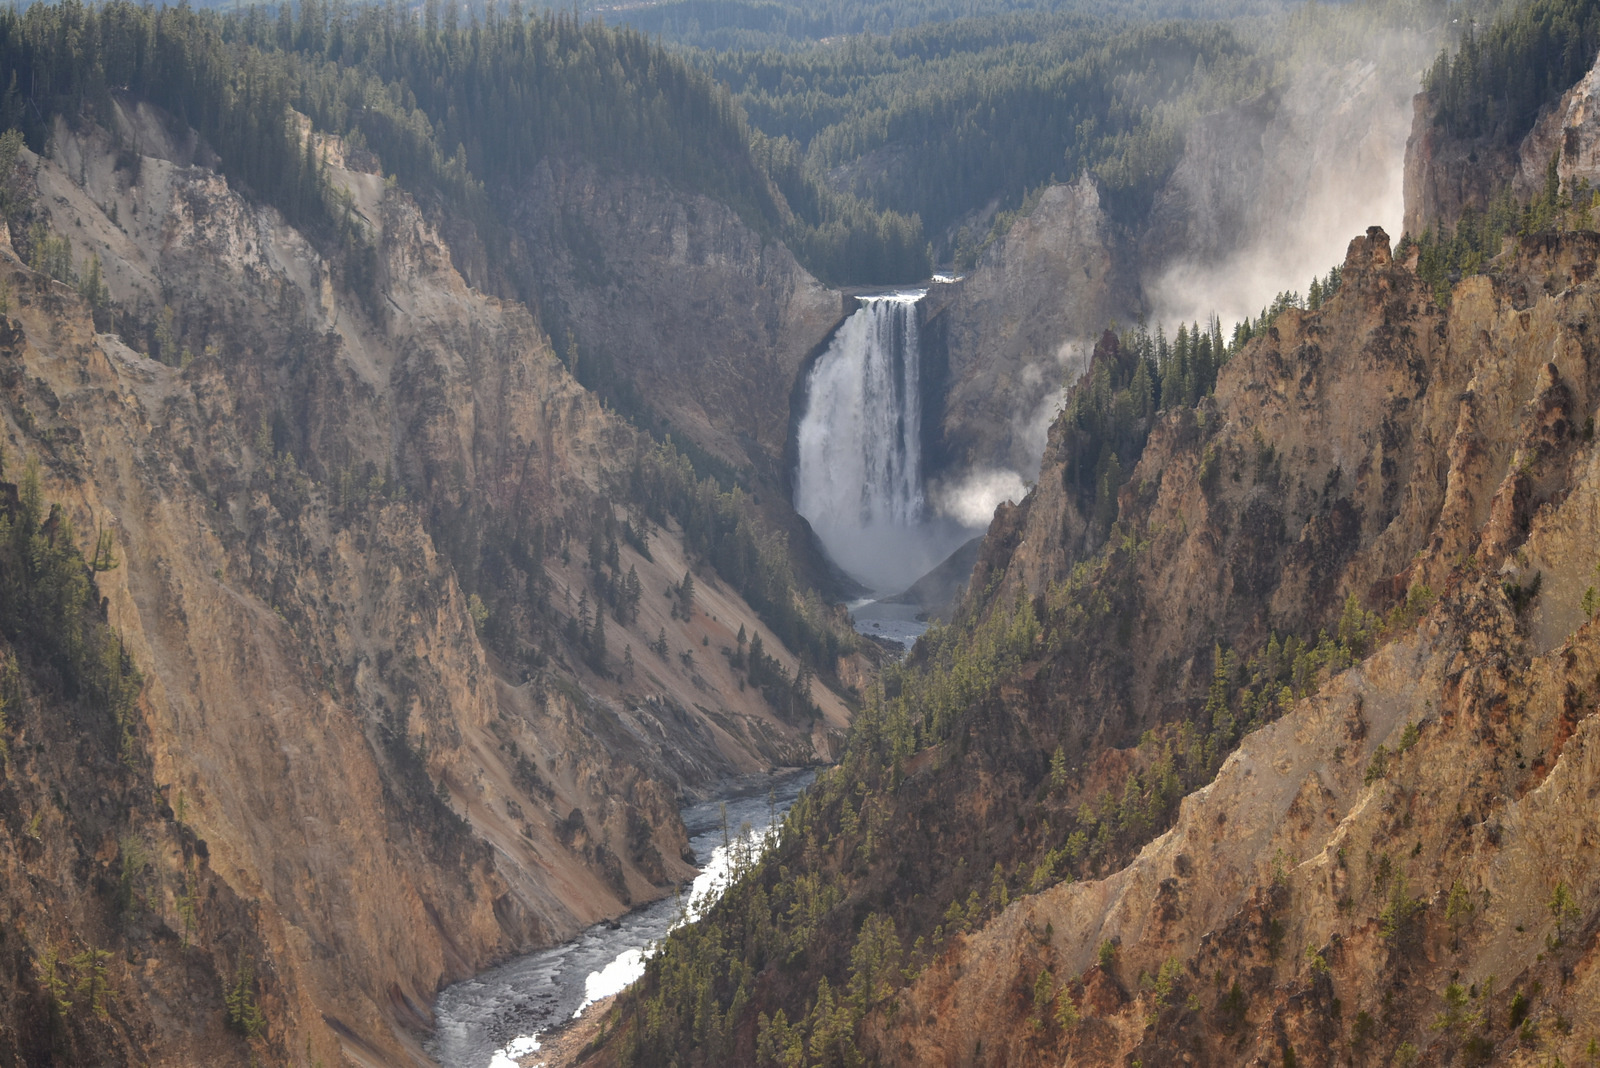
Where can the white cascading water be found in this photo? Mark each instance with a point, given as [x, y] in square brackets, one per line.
[859, 478]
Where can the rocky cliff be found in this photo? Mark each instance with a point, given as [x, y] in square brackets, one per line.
[1295, 768]
[707, 321]
[1447, 175]
[350, 531]
[1400, 867]
[1013, 331]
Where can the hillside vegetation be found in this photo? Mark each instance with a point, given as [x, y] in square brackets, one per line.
[1252, 738]
[459, 111]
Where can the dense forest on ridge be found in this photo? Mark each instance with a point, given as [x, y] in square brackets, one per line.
[458, 110]
[962, 122]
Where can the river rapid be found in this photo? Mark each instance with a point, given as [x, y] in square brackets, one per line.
[496, 1017]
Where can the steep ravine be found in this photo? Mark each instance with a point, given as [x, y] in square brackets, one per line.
[308, 513]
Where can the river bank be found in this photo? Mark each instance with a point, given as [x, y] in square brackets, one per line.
[564, 1048]
[494, 1019]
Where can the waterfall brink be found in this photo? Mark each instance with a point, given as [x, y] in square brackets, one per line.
[859, 480]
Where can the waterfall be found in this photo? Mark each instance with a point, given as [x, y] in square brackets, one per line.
[859, 478]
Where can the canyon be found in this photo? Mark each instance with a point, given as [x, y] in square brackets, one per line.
[1293, 762]
[402, 603]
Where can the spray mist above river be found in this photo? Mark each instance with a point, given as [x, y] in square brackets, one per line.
[859, 478]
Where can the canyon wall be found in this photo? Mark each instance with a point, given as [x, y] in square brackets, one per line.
[1447, 175]
[1401, 865]
[1296, 766]
[335, 515]
[706, 319]
[1014, 328]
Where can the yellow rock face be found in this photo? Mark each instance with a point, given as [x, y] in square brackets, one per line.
[1319, 895]
[393, 805]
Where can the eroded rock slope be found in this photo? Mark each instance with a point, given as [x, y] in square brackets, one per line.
[1296, 765]
[350, 531]
[707, 321]
[1402, 865]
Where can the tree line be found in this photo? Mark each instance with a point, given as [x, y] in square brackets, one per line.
[1497, 80]
[788, 25]
[939, 120]
[459, 111]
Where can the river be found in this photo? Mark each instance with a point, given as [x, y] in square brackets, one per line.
[496, 1016]
[884, 619]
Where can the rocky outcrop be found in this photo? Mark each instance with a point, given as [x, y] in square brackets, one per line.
[1402, 866]
[1569, 133]
[338, 524]
[1446, 176]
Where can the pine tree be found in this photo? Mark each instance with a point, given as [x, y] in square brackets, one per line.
[92, 987]
[1143, 389]
[244, 1014]
[757, 669]
[1174, 389]
[632, 593]
[1217, 712]
[597, 642]
[92, 287]
[686, 595]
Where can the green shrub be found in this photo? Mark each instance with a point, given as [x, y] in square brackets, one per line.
[243, 1012]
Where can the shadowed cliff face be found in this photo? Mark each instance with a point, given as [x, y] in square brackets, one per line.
[1409, 823]
[1015, 327]
[1444, 175]
[301, 512]
[707, 320]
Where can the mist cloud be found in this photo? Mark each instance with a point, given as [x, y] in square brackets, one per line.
[971, 501]
[1331, 164]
